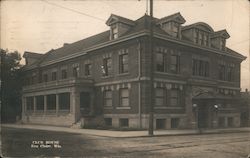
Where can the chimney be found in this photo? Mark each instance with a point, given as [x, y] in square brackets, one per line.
[65, 44]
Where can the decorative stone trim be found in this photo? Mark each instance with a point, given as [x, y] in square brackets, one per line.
[123, 51]
[168, 85]
[107, 55]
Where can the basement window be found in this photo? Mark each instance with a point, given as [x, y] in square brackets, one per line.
[124, 122]
[160, 123]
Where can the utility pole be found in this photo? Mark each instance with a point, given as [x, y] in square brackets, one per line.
[151, 49]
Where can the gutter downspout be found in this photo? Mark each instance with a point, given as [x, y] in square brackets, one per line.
[139, 83]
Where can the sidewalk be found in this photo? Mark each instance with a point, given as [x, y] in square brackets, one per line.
[126, 134]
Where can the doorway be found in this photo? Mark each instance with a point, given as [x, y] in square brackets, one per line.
[85, 103]
[203, 112]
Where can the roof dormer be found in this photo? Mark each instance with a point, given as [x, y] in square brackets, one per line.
[198, 33]
[218, 39]
[31, 57]
[118, 25]
[172, 24]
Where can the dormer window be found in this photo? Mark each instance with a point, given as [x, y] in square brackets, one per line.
[114, 32]
[201, 37]
[222, 44]
[171, 24]
[118, 25]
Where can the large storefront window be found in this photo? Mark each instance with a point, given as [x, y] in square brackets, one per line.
[51, 102]
[40, 102]
[64, 101]
[30, 103]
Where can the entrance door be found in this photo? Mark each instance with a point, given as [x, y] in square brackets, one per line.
[203, 116]
[84, 103]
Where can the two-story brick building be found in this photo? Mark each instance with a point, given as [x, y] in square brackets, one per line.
[105, 79]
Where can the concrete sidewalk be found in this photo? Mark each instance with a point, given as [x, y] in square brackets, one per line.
[125, 134]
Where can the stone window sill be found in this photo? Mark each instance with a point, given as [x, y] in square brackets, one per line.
[123, 107]
[168, 107]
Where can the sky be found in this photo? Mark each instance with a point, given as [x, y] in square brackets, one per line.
[40, 25]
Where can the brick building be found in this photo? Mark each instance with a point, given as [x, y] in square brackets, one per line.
[105, 79]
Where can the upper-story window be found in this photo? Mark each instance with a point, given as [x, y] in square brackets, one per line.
[114, 32]
[76, 70]
[175, 64]
[64, 73]
[159, 96]
[160, 62]
[87, 69]
[175, 97]
[123, 63]
[222, 72]
[200, 67]
[53, 76]
[45, 77]
[226, 71]
[107, 66]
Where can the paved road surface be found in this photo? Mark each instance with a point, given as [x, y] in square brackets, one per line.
[17, 143]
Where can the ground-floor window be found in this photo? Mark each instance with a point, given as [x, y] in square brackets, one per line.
[108, 121]
[175, 122]
[160, 123]
[30, 103]
[51, 102]
[64, 101]
[40, 102]
[124, 122]
[230, 121]
[221, 122]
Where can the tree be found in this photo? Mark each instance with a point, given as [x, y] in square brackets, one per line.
[11, 85]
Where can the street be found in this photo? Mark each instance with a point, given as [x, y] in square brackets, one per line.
[30, 143]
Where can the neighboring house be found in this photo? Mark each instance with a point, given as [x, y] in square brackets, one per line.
[105, 79]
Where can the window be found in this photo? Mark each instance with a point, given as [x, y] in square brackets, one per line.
[174, 97]
[230, 121]
[64, 101]
[51, 102]
[230, 73]
[175, 29]
[222, 72]
[221, 121]
[160, 64]
[108, 121]
[40, 102]
[88, 69]
[33, 78]
[124, 97]
[175, 62]
[30, 103]
[123, 59]
[175, 122]
[159, 97]
[222, 44]
[196, 36]
[200, 38]
[123, 122]
[64, 74]
[114, 32]
[45, 77]
[206, 40]
[53, 76]
[107, 66]
[200, 68]
[160, 123]
[107, 98]
[76, 71]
